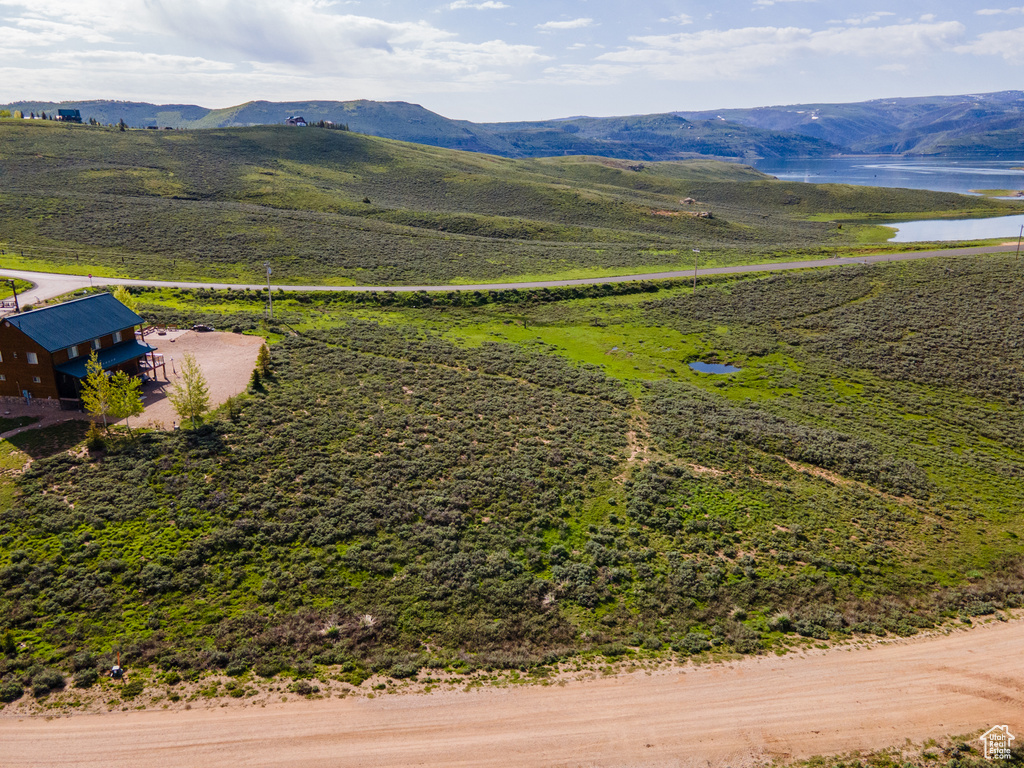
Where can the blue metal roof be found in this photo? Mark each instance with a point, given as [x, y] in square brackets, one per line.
[108, 357]
[74, 322]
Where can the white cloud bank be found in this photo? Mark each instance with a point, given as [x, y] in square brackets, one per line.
[734, 53]
[1005, 44]
[308, 37]
[488, 5]
[549, 26]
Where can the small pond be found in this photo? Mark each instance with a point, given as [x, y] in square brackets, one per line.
[713, 367]
[957, 229]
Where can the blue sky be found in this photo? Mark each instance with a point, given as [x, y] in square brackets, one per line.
[490, 60]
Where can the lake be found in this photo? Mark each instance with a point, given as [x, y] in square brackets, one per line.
[940, 174]
[946, 174]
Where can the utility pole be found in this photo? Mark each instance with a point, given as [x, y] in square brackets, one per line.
[14, 289]
[1018, 239]
[270, 296]
[696, 255]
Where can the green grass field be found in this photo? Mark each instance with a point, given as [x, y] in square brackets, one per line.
[500, 484]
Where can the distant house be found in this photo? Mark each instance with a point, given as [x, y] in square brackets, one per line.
[296, 120]
[43, 352]
[69, 115]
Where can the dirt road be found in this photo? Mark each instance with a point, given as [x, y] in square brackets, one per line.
[723, 715]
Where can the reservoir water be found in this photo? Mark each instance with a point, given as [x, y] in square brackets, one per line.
[962, 175]
[940, 174]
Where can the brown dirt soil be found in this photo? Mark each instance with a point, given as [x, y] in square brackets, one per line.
[226, 359]
[733, 714]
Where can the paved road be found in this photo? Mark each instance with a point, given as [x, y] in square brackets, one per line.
[49, 285]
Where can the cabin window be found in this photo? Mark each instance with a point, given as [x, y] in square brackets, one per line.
[72, 351]
[32, 358]
[117, 336]
[36, 380]
[2, 377]
[1, 357]
[95, 343]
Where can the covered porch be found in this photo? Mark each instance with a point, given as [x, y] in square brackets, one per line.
[133, 357]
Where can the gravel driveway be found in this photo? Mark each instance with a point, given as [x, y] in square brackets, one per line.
[226, 359]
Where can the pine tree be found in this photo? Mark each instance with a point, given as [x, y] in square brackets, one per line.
[191, 394]
[263, 361]
[97, 396]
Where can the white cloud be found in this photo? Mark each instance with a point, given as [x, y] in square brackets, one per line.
[154, 63]
[573, 24]
[487, 5]
[735, 53]
[588, 74]
[766, 3]
[859, 20]
[1005, 43]
[45, 33]
[97, 15]
[308, 37]
[997, 11]
[679, 18]
[255, 47]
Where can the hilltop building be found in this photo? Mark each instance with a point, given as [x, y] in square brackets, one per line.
[43, 352]
[69, 115]
[296, 120]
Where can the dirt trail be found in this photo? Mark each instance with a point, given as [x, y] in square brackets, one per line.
[717, 715]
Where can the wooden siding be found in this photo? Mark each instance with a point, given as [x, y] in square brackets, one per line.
[18, 372]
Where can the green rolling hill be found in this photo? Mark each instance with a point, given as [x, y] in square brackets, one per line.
[332, 205]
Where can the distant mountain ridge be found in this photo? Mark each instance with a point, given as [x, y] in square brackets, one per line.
[980, 124]
[988, 123]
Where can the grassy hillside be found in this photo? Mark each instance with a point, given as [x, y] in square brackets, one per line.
[337, 206]
[431, 484]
